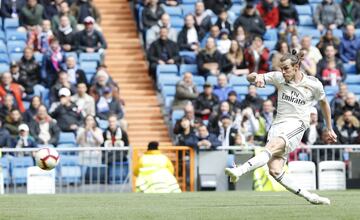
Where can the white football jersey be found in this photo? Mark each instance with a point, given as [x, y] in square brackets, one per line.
[295, 100]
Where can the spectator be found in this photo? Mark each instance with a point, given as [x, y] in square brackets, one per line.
[31, 14]
[288, 30]
[224, 43]
[89, 136]
[162, 51]
[5, 138]
[217, 6]
[43, 128]
[12, 122]
[39, 40]
[252, 22]
[30, 76]
[84, 101]
[339, 99]
[107, 105]
[234, 61]
[76, 75]
[358, 61]
[294, 43]
[63, 10]
[287, 11]
[347, 128]
[205, 102]
[328, 15]
[267, 113]
[202, 19]
[227, 134]
[67, 114]
[351, 12]
[90, 40]
[9, 87]
[223, 109]
[349, 45]
[223, 22]
[7, 106]
[51, 63]
[248, 124]
[330, 53]
[62, 82]
[222, 89]
[11, 9]
[30, 113]
[66, 35]
[189, 35]
[351, 103]
[252, 100]
[257, 56]
[328, 39]
[114, 135]
[190, 115]
[81, 9]
[214, 33]
[235, 105]
[51, 8]
[186, 135]
[161, 178]
[206, 140]
[281, 48]
[24, 139]
[331, 75]
[151, 14]
[312, 52]
[103, 80]
[154, 32]
[269, 13]
[209, 59]
[308, 65]
[171, 2]
[241, 36]
[313, 133]
[185, 91]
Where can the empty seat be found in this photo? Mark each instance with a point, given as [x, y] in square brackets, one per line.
[352, 79]
[69, 170]
[19, 167]
[271, 35]
[238, 81]
[304, 10]
[306, 31]
[192, 68]
[331, 90]
[3, 48]
[173, 11]
[331, 175]
[177, 22]
[5, 164]
[103, 124]
[166, 69]
[118, 172]
[11, 24]
[354, 88]
[16, 35]
[188, 55]
[187, 9]
[270, 44]
[266, 91]
[338, 33]
[38, 57]
[168, 101]
[212, 80]
[349, 68]
[167, 80]
[176, 115]
[4, 58]
[303, 173]
[237, 9]
[241, 90]
[16, 46]
[89, 67]
[4, 67]
[189, 2]
[95, 57]
[72, 54]
[15, 56]
[67, 138]
[305, 20]
[168, 90]
[198, 80]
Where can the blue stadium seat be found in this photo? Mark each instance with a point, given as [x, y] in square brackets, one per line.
[198, 80]
[16, 46]
[338, 33]
[168, 90]
[118, 172]
[187, 9]
[167, 69]
[89, 76]
[67, 145]
[103, 124]
[349, 68]
[15, 56]
[167, 80]
[353, 79]
[237, 9]
[38, 57]
[313, 32]
[188, 68]
[315, 1]
[69, 170]
[11, 24]
[89, 67]
[3, 48]
[95, 57]
[2, 35]
[188, 54]
[177, 22]
[200, 88]
[271, 35]
[168, 102]
[72, 54]
[212, 80]
[189, 2]
[16, 35]
[305, 20]
[4, 58]
[5, 164]
[4, 67]
[331, 90]
[238, 81]
[357, 32]
[19, 167]
[354, 88]
[241, 90]
[270, 44]
[303, 10]
[268, 90]
[67, 138]
[176, 115]
[173, 11]
[26, 104]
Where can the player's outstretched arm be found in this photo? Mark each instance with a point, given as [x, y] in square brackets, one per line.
[325, 108]
[257, 79]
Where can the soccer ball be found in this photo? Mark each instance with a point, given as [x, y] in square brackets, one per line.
[47, 158]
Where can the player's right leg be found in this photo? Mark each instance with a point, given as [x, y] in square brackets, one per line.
[275, 146]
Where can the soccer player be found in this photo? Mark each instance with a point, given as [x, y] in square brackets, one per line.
[297, 92]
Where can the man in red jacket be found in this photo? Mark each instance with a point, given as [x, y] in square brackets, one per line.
[14, 89]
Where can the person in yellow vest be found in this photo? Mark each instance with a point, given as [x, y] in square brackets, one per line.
[155, 172]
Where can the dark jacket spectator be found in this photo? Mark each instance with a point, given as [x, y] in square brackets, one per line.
[66, 35]
[108, 105]
[358, 61]
[23, 139]
[222, 109]
[347, 128]
[349, 45]
[44, 129]
[29, 71]
[328, 39]
[339, 99]
[209, 59]
[151, 14]
[189, 36]
[351, 104]
[5, 138]
[235, 104]
[12, 122]
[269, 12]
[31, 14]
[227, 134]
[31, 112]
[9, 10]
[185, 92]
[206, 140]
[153, 33]
[50, 9]
[81, 9]
[261, 65]
[323, 67]
[63, 10]
[218, 5]
[223, 22]
[205, 102]
[7, 86]
[52, 61]
[90, 40]
[252, 99]
[328, 15]
[252, 22]
[7, 105]
[186, 135]
[287, 11]
[62, 82]
[202, 19]
[351, 12]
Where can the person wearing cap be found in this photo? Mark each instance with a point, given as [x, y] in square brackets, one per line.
[90, 40]
[12, 122]
[227, 133]
[154, 172]
[64, 10]
[224, 43]
[31, 14]
[151, 14]
[269, 12]
[209, 59]
[250, 20]
[257, 56]
[107, 104]
[7, 86]
[67, 114]
[189, 36]
[252, 99]
[66, 34]
[186, 91]
[81, 9]
[205, 102]
[235, 104]
[223, 23]
[24, 140]
[62, 82]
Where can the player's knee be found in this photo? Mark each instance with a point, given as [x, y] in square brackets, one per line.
[275, 172]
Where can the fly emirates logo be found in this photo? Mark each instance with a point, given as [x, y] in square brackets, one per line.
[293, 97]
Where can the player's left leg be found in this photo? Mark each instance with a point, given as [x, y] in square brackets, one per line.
[276, 165]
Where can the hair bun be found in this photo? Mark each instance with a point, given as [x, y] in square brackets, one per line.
[293, 51]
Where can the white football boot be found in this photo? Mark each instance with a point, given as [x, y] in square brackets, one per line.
[234, 174]
[318, 200]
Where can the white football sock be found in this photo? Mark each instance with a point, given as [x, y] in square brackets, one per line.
[287, 182]
[255, 162]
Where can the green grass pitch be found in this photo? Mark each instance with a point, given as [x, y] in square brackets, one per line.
[186, 206]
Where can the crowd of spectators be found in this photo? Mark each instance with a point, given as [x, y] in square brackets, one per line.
[40, 99]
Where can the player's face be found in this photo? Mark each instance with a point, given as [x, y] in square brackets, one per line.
[288, 70]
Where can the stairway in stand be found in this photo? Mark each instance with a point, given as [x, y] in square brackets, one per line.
[126, 63]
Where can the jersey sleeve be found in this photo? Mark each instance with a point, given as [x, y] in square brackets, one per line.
[273, 78]
[319, 93]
